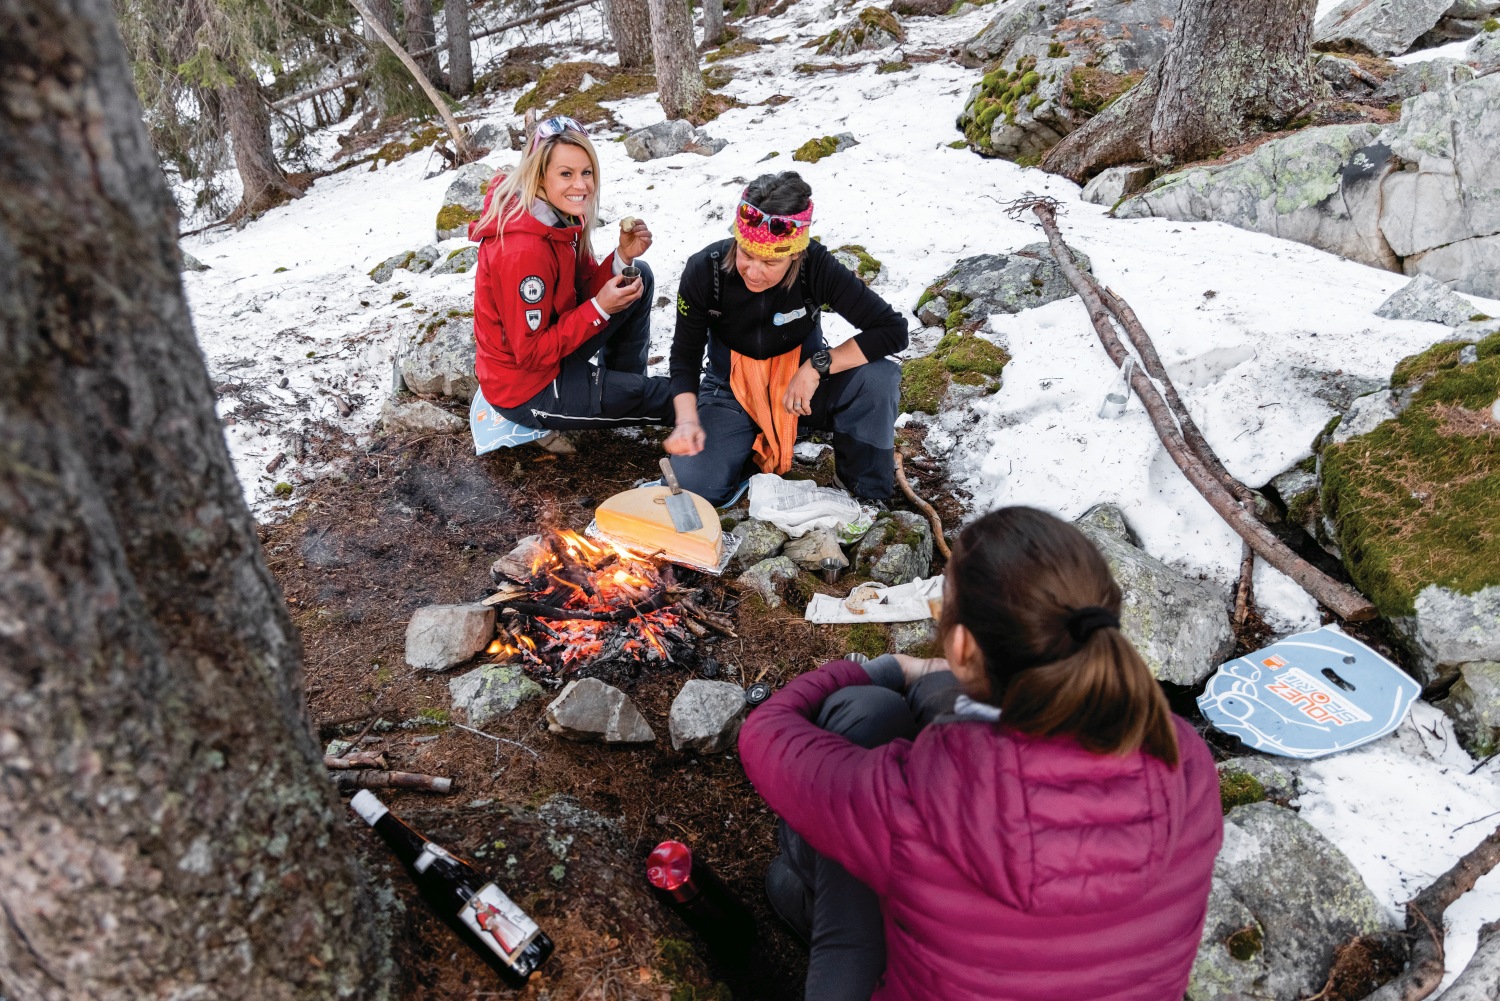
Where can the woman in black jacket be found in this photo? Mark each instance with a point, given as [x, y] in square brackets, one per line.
[754, 302]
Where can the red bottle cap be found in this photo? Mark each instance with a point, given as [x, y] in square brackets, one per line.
[669, 865]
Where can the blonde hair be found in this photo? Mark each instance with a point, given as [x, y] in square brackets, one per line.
[520, 187]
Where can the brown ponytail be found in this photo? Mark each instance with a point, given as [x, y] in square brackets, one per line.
[1043, 607]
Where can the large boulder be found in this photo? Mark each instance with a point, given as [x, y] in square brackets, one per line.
[436, 357]
[419, 416]
[1283, 900]
[977, 287]
[588, 710]
[1379, 27]
[771, 579]
[668, 139]
[1427, 299]
[416, 261]
[1109, 186]
[1014, 21]
[1321, 187]
[442, 636]
[1484, 51]
[1420, 78]
[464, 200]
[897, 548]
[706, 716]
[759, 540]
[492, 690]
[1179, 625]
[873, 29]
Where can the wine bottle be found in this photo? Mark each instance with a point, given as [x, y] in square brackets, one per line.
[473, 906]
[703, 900]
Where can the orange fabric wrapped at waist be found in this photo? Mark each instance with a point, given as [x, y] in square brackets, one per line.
[759, 385]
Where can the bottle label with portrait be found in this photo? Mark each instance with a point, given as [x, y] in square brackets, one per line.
[499, 923]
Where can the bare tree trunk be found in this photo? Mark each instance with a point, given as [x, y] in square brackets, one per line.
[460, 145]
[630, 26]
[421, 36]
[168, 828]
[713, 22]
[384, 12]
[460, 52]
[1231, 69]
[265, 184]
[679, 80]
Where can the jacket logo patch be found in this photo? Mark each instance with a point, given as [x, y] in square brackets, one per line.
[533, 318]
[532, 289]
[796, 314]
[682, 306]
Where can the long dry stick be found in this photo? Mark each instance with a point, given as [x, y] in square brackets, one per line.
[1424, 923]
[367, 778]
[460, 145]
[1344, 601]
[924, 507]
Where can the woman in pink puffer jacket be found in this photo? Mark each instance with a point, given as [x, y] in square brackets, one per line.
[1035, 825]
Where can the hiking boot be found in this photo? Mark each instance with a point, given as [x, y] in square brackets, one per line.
[558, 443]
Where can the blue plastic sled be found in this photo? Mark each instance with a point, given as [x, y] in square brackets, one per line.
[1309, 695]
[492, 431]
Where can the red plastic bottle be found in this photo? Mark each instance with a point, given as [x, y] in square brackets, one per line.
[703, 900]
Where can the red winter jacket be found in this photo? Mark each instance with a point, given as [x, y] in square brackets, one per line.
[531, 304]
[1009, 868]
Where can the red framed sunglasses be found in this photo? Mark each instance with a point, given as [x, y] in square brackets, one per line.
[776, 225]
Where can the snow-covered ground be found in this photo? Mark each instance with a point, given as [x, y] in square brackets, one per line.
[1248, 326]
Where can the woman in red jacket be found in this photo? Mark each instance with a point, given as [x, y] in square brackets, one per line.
[1050, 836]
[560, 340]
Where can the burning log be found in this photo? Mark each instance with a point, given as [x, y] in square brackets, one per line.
[356, 759]
[372, 779]
[631, 611]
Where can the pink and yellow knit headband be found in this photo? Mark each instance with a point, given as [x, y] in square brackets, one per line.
[772, 236]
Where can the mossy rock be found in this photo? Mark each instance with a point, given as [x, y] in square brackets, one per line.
[1090, 90]
[455, 219]
[556, 82]
[816, 149]
[875, 28]
[857, 259]
[1239, 789]
[960, 357]
[731, 50]
[1414, 500]
[900, 67]
[1001, 93]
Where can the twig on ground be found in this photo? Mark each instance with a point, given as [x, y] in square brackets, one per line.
[375, 779]
[499, 741]
[924, 507]
[1244, 592]
[356, 759]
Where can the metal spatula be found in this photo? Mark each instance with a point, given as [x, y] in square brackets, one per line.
[679, 505]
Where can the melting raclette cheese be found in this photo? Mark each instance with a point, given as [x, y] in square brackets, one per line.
[639, 519]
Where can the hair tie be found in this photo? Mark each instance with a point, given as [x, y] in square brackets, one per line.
[1081, 622]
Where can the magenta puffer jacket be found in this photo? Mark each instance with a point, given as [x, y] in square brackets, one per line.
[1009, 868]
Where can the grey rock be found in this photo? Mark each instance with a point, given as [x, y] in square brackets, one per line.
[1473, 265]
[1284, 898]
[933, 312]
[1379, 27]
[1180, 626]
[460, 261]
[1419, 78]
[1298, 490]
[466, 191]
[1474, 704]
[706, 716]
[441, 636]
[1476, 330]
[1473, 10]
[587, 709]
[492, 690]
[1008, 283]
[1425, 298]
[1320, 186]
[668, 139]
[849, 259]
[1109, 186]
[769, 579]
[1484, 52]
[1279, 780]
[1014, 21]
[810, 550]
[1109, 521]
[416, 261]
[760, 540]
[1338, 388]
[436, 357]
[419, 416]
[908, 636]
[896, 549]
[1447, 630]
[191, 263]
[1345, 76]
[489, 135]
[1366, 414]
[867, 33]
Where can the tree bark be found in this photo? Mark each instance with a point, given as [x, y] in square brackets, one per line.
[713, 22]
[630, 27]
[679, 80]
[460, 52]
[166, 825]
[460, 145]
[264, 183]
[1231, 69]
[1480, 979]
[421, 36]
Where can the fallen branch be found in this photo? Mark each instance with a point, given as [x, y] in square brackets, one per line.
[1342, 600]
[498, 741]
[924, 507]
[372, 779]
[1244, 592]
[1424, 925]
[356, 759]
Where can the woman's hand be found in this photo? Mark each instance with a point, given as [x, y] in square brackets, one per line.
[618, 293]
[687, 438]
[634, 242]
[913, 668]
[799, 392]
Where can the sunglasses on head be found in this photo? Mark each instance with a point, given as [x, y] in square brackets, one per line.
[554, 126]
[777, 225]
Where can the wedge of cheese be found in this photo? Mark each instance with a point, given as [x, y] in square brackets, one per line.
[638, 518]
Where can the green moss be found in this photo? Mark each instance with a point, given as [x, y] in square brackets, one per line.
[1056, 50]
[1091, 90]
[868, 638]
[283, 490]
[900, 67]
[1414, 499]
[1244, 944]
[1480, 317]
[868, 267]
[675, 958]
[1490, 24]
[959, 144]
[973, 359]
[882, 20]
[1029, 159]
[557, 81]
[398, 296]
[432, 714]
[732, 49]
[1239, 789]
[390, 153]
[816, 149]
[278, 271]
[454, 217]
[1000, 93]
[1418, 367]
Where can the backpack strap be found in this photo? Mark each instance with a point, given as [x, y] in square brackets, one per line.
[713, 261]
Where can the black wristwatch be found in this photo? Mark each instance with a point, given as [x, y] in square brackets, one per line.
[821, 362]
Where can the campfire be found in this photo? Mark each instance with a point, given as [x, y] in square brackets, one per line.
[569, 602]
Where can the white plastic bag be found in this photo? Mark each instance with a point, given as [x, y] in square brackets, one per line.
[799, 506]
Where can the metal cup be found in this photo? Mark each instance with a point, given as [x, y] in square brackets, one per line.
[630, 272]
[1118, 398]
[831, 569]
